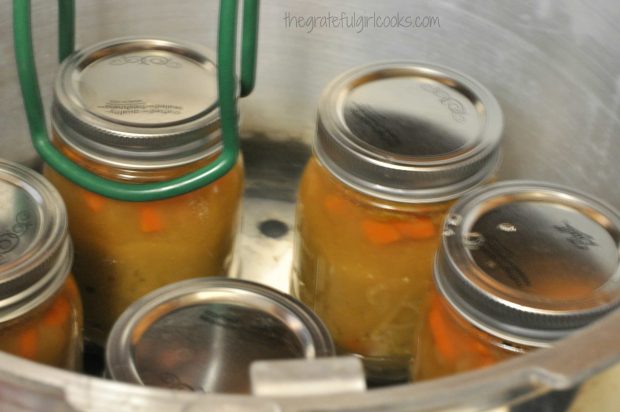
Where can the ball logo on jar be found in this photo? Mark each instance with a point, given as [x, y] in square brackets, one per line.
[23, 221]
[10, 240]
[456, 107]
[146, 61]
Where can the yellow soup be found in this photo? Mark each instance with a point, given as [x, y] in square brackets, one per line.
[50, 334]
[363, 264]
[124, 250]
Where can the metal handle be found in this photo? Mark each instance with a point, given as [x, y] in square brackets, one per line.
[226, 52]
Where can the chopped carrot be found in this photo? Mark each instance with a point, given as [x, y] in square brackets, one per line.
[28, 343]
[380, 233]
[58, 313]
[441, 333]
[94, 201]
[336, 204]
[416, 228]
[150, 219]
[453, 344]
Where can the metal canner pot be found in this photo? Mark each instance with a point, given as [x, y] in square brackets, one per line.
[553, 67]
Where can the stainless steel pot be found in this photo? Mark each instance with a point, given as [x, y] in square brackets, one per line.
[554, 67]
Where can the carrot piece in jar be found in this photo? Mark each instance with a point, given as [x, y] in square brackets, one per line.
[28, 343]
[452, 345]
[336, 204]
[150, 219]
[58, 313]
[380, 233]
[94, 201]
[441, 334]
[416, 229]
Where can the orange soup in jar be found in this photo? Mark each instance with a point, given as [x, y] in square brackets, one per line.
[450, 344]
[396, 144]
[40, 308]
[521, 265]
[140, 111]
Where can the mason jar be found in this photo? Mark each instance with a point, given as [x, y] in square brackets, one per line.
[396, 144]
[139, 111]
[203, 335]
[40, 308]
[521, 265]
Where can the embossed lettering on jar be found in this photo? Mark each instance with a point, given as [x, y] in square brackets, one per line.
[396, 144]
[521, 265]
[40, 308]
[137, 111]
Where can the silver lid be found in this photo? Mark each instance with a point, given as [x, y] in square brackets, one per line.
[408, 132]
[530, 262]
[203, 334]
[35, 253]
[140, 103]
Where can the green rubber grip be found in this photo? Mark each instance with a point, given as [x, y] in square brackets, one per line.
[226, 53]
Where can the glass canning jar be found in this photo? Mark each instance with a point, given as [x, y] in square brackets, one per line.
[396, 144]
[136, 111]
[204, 334]
[521, 265]
[40, 308]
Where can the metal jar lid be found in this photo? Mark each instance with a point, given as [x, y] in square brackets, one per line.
[409, 132]
[139, 103]
[530, 262]
[35, 251]
[203, 334]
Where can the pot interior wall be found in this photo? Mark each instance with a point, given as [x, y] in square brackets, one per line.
[553, 66]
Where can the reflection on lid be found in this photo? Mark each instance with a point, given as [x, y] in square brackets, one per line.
[138, 103]
[210, 347]
[399, 133]
[412, 115]
[554, 251]
[406, 131]
[202, 335]
[531, 260]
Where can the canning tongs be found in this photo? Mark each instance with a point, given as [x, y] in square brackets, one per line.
[226, 53]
